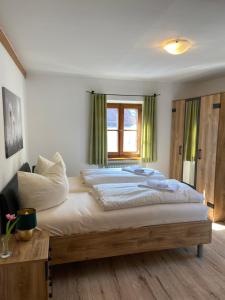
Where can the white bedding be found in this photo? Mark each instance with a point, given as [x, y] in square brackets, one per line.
[99, 171]
[115, 175]
[81, 214]
[76, 185]
[129, 195]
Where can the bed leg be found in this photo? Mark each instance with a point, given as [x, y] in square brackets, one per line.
[200, 250]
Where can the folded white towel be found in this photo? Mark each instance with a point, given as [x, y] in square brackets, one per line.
[164, 185]
[139, 170]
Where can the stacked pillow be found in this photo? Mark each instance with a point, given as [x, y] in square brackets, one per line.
[47, 187]
[43, 164]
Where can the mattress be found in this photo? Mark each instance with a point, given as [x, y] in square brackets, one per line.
[80, 213]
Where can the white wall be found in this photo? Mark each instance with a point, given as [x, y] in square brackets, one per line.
[58, 115]
[207, 87]
[12, 79]
[202, 88]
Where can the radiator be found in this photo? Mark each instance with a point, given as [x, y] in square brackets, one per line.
[122, 163]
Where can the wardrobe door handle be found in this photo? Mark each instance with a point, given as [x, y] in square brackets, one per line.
[180, 149]
[199, 153]
[46, 270]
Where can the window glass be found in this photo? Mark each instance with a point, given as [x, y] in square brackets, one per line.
[130, 119]
[112, 118]
[112, 141]
[130, 141]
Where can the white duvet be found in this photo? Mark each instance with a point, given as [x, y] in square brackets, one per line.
[96, 171]
[93, 177]
[128, 195]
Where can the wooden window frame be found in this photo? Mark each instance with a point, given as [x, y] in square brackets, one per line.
[120, 154]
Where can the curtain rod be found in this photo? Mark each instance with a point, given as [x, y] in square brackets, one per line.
[93, 92]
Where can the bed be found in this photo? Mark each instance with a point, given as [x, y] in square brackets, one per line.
[79, 230]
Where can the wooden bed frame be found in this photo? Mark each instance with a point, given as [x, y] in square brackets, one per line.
[80, 247]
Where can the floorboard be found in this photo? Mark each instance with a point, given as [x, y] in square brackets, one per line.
[172, 274]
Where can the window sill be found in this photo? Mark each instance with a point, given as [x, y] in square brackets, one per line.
[124, 158]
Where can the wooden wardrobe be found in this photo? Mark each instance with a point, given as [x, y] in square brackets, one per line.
[210, 158]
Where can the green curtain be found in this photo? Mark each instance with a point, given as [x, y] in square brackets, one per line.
[149, 141]
[192, 108]
[98, 137]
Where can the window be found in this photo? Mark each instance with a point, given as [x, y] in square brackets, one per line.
[124, 130]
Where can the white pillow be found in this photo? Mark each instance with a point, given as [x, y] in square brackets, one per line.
[43, 192]
[43, 164]
[57, 157]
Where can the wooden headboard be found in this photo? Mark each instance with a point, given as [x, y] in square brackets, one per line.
[9, 198]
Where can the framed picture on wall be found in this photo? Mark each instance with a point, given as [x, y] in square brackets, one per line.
[12, 122]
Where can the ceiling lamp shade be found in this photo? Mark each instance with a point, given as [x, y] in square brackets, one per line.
[177, 46]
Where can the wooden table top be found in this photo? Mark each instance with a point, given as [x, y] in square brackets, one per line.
[34, 250]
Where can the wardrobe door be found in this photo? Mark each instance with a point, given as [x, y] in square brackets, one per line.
[207, 148]
[177, 136]
[219, 209]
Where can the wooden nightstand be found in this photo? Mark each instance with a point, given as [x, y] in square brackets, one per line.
[24, 275]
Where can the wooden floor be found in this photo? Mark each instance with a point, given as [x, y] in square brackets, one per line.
[172, 274]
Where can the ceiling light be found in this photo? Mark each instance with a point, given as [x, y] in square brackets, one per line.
[177, 46]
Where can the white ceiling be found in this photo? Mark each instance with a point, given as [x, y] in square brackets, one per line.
[117, 38]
